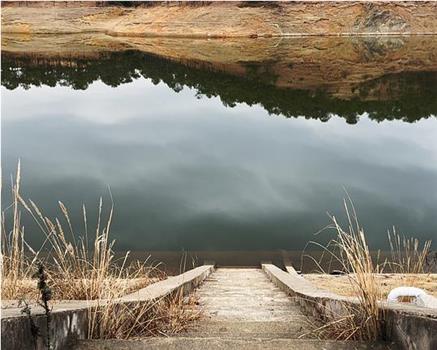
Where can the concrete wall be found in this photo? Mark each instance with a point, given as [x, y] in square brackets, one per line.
[67, 327]
[412, 328]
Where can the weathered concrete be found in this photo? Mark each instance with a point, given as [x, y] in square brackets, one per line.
[67, 327]
[249, 329]
[243, 303]
[411, 327]
[220, 343]
[70, 319]
[242, 310]
[181, 283]
[240, 294]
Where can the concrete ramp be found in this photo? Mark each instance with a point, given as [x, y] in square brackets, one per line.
[242, 310]
[215, 343]
[241, 302]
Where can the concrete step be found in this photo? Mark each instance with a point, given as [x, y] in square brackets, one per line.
[216, 343]
[248, 314]
[245, 295]
[245, 329]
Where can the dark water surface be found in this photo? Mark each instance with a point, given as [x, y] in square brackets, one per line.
[203, 159]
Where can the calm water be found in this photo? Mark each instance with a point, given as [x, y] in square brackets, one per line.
[201, 159]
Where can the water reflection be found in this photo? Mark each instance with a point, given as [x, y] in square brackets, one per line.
[215, 172]
[385, 80]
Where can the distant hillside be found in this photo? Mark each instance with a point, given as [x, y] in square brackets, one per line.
[220, 19]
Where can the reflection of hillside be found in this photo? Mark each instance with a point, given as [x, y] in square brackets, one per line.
[337, 65]
[315, 78]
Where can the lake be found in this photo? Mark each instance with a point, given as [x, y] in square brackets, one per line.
[217, 146]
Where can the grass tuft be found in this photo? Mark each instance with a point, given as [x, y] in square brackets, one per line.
[350, 252]
[407, 255]
[166, 316]
[361, 322]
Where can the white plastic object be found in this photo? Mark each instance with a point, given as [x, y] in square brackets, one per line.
[421, 297]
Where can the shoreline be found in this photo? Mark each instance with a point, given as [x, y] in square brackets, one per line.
[223, 19]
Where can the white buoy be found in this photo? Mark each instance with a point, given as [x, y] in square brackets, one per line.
[421, 298]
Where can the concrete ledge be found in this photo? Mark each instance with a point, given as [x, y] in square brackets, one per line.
[70, 318]
[413, 328]
[67, 327]
[182, 283]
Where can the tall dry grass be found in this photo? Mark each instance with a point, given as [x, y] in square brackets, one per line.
[407, 254]
[79, 265]
[17, 267]
[349, 250]
[82, 265]
[165, 316]
[363, 321]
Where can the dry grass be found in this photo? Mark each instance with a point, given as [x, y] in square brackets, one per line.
[363, 322]
[341, 284]
[407, 256]
[350, 250]
[16, 265]
[166, 316]
[82, 266]
[363, 277]
[26, 288]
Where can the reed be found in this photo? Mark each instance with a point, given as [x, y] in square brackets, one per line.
[350, 251]
[165, 316]
[363, 320]
[17, 267]
[83, 268]
[78, 267]
[407, 254]
[81, 264]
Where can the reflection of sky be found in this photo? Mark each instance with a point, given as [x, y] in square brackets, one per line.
[192, 173]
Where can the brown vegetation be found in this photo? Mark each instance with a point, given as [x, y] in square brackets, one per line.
[341, 285]
[84, 267]
[166, 316]
[78, 266]
[363, 278]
